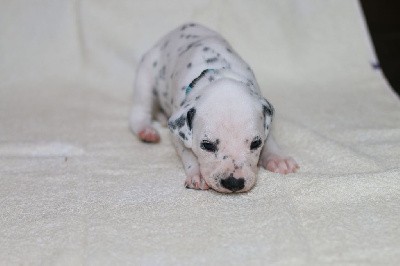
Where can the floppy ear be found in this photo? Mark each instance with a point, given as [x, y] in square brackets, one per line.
[181, 124]
[268, 111]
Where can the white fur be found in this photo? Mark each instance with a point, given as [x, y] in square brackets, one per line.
[224, 107]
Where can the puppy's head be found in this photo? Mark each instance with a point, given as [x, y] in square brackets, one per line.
[226, 129]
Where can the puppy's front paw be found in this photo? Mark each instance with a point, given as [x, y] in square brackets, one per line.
[149, 134]
[281, 165]
[196, 182]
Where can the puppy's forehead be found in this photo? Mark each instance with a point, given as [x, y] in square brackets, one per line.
[229, 101]
[231, 121]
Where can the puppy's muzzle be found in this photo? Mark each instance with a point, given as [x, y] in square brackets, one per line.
[232, 183]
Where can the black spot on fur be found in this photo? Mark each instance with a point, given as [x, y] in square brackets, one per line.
[225, 157]
[155, 92]
[162, 110]
[191, 36]
[189, 46]
[211, 78]
[171, 125]
[165, 44]
[229, 50]
[182, 135]
[267, 110]
[190, 116]
[211, 60]
[189, 65]
[162, 72]
[205, 49]
[180, 122]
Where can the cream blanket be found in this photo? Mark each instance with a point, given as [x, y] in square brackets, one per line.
[76, 187]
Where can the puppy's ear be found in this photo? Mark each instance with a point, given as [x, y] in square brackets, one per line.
[268, 112]
[181, 124]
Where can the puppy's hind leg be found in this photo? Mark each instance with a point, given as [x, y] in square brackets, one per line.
[143, 104]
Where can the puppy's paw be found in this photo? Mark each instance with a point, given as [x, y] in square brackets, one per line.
[281, 165]
[149, 134]
[196, 182]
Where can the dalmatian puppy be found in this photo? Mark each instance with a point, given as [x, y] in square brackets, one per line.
[195, 82]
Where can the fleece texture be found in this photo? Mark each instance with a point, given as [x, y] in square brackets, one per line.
[77, 188]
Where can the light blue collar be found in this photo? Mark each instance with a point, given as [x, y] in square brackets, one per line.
[193, 83]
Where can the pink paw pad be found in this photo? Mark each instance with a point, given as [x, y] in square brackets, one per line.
[149, 134]
[281, 165]
[196, 182]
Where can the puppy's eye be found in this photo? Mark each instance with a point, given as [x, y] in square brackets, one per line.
[255, 144]
[208, 146]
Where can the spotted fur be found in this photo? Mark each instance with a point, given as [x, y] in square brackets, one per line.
[216, 113]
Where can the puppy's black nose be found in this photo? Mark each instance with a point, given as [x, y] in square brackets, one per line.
[233, 184]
